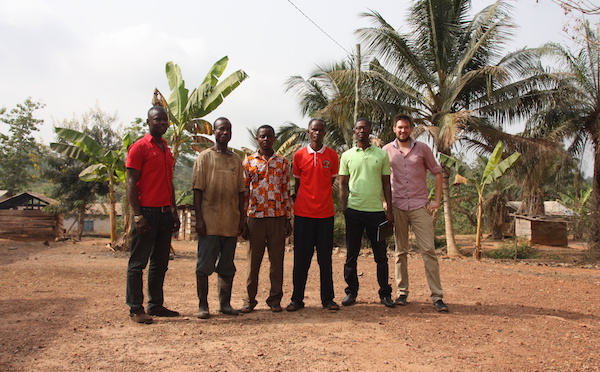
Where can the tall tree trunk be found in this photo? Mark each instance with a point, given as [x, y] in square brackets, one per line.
[450, 242]
[80, 221]
[595, 209]
[112, 212]
[477, 253]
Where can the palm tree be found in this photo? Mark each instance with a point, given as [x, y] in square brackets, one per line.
[572, 112]
[449, 69]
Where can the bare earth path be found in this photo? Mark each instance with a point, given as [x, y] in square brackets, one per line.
[62, 309]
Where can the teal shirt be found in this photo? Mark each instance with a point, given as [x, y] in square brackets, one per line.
[365, 169]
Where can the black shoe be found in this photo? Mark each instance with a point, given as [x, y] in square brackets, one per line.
[331, 305]
[349, 300]
[440, 306]
[295, 306]
[401, 300]
[387, 301]
[162, 311]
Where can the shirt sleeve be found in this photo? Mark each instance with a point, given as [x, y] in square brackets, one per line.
[430, 162]
[335, 163]
[246, 168]
[135, 157]
[241, 184]
[285, 188]
[385, 166]
[344, 171]
[198, 179]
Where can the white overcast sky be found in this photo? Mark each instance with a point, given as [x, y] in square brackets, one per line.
[74, 54]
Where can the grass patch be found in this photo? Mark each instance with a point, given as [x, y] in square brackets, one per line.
[522, 251]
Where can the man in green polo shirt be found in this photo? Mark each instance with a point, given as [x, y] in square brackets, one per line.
[364, 183]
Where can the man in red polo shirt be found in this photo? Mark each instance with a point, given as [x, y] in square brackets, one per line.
[315, 168]
[150, 191]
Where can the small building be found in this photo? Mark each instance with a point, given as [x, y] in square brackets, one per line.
[549, 229]
[187, 217]
[22, 218]
[96, 221]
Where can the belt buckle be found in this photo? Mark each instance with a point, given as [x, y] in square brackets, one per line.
[165, 209]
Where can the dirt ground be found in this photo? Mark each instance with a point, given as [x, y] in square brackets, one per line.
[63, 308]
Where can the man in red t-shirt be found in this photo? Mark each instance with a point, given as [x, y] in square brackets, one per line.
[150, 191]
[315, 168]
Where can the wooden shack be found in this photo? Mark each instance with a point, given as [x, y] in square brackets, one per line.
[549, 229]
[22, 218]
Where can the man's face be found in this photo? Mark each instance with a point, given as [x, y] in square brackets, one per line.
[222, 131]
[362, 131]
[266, 138]
[316, 131]
[402, 130]
[158, 122]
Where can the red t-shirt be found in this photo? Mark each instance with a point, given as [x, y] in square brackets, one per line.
[315, 170]
[155, 185]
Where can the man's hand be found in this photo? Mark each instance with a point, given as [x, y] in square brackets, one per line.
[390, 218]
[176, 222]
[432, 206]
[288, 228]
[200, 226]
[142, 226]
[246, 232]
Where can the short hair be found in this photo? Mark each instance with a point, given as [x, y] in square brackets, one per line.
[317, 119]
[404, 117]
[221, 118]
[265, 126]
[365, 120]
[156, 108]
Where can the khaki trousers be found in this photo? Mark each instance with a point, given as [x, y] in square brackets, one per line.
[266, 232]
[422, 226]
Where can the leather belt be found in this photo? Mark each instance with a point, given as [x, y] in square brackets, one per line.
[164, 209]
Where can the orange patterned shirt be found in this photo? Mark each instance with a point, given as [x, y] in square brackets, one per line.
[268, 184]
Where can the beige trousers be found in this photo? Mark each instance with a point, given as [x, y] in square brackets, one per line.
[422, 225]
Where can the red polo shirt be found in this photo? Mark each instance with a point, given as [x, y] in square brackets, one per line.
[155, 185]
[315, 170]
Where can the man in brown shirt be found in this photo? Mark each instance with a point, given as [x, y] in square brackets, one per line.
[218, 184]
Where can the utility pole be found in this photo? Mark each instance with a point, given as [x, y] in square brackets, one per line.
[357, 83]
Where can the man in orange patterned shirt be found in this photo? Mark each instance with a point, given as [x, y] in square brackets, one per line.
[267, 178]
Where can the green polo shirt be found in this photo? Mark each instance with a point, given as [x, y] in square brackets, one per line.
[365, 169]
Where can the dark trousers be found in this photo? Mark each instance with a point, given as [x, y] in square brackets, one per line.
[154, 246]
[311, 233]
[358, 222]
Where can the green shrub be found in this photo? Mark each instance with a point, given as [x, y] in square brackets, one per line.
[507, 250]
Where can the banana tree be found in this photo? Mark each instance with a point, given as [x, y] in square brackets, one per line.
[494, 169]
[187, 110]
[105, 165]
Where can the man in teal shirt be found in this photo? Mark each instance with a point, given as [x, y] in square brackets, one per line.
[364, 183]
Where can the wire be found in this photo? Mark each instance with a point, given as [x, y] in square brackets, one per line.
[319, 27]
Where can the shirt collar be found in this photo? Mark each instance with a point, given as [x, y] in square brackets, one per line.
[412, 143]
[311, 151]
[148, 137]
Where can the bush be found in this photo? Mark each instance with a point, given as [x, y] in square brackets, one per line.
[507, 250]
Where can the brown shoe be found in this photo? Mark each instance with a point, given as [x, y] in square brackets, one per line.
[141, 317]
[276, 308]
